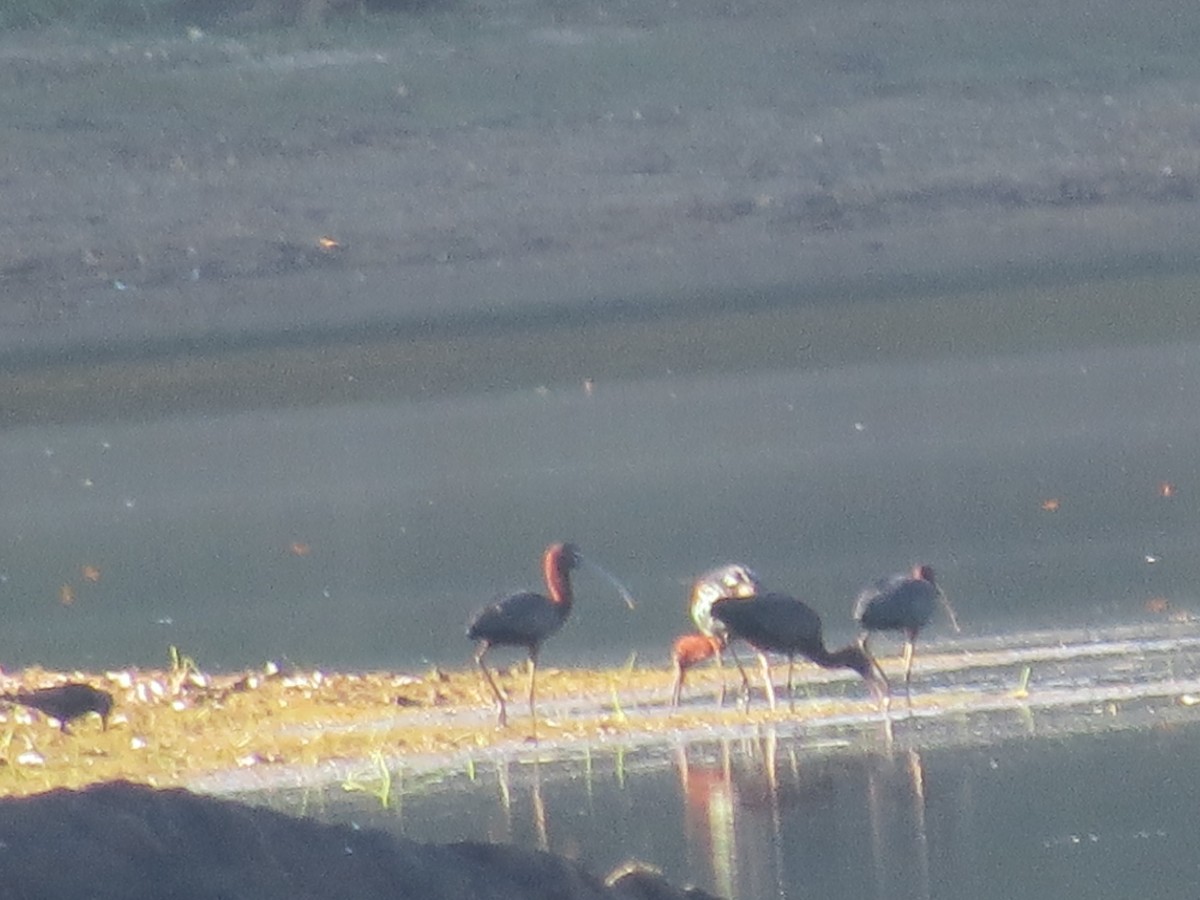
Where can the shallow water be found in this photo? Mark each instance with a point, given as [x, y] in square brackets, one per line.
[1049, 487]
[1044, 761]
[410, 516]
[1037, 814]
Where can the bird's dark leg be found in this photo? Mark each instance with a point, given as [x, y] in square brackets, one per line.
[484, 647]
[791, 692]
[721, 674]
[742, 672]
[766, 670]
[533, 658]
[677, 688]
[882, 689]
[908, 661]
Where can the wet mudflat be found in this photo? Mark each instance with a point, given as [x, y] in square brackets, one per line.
[491, 163]
[274, 729]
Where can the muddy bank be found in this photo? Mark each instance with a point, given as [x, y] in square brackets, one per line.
[490, 166]
[123, 840]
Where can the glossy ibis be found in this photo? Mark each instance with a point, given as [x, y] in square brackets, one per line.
[66, 702]
[690, 650]
[777, 623]
[902, 602]
[526, 619]
[732, 580]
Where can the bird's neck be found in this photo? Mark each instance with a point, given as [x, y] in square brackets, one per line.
[558, 580]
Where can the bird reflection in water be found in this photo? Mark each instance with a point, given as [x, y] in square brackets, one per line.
[503, 783]
[505, 833]
[898, 779]
[763, 821]
[734, 807]
[541, 829]
[709, 803]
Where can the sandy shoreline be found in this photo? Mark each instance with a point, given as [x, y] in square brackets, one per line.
[271, 729]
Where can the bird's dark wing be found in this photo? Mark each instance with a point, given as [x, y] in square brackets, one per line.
[521, 619]
[65, 702]
[896, 603]
[869, 596]
[773, 622]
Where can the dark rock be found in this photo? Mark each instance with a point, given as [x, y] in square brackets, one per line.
[122, 840]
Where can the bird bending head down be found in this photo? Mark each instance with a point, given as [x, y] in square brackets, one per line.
[688, 651]
[778, 623]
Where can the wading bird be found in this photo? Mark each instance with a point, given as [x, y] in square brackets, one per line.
[777, 623]
[66, 702]
[690, 650]
[901, 602]
[730, 581]
[527, 618]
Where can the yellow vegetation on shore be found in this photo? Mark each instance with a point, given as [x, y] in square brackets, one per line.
[172, 727]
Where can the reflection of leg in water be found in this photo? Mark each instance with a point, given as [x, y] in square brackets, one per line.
[899, 840]
[539, 810]
[916, 776]
[709, 816]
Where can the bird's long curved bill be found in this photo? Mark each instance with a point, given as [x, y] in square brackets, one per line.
[611, 579]
[949, 609]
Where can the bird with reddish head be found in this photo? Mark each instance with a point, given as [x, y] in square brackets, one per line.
[526, 619]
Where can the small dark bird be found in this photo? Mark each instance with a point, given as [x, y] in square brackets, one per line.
[66, 702]
[526, 619]
[902, 602]
[732, 580]
[777, 623]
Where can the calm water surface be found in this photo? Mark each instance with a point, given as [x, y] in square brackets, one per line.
[1064, 816]
[1050, 487]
